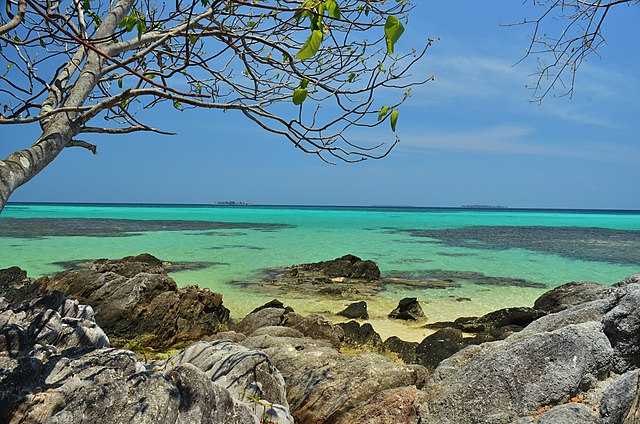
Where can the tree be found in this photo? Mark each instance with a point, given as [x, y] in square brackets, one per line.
[565, 34]
[307, 70]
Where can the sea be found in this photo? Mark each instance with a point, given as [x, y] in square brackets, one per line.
[491, 258]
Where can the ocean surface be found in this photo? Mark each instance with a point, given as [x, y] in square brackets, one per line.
[495, 258]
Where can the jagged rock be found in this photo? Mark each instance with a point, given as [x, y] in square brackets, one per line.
[408, 309]
[268, 317]
[275, 303]
[361, 336]
[48, 323]
[632, 279]
[347, 266]
[622, 326]
[357, 310]
[227, 335]
[405, 350]
[277, 331]
[489, 380]
[571, 294]
[618, 398]
[134, 299]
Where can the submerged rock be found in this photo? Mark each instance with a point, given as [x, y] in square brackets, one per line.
[134, 299]
[408, 309]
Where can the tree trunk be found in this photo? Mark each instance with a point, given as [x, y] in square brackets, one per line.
[23, 165]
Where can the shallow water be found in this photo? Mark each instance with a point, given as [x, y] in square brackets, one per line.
[500, 258]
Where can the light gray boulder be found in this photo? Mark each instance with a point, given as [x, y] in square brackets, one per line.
[622, 326]
[619, 397]
[501, 381]
[570, 413]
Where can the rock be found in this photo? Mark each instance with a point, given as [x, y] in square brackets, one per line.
[134, 300]
[622, 327]
[406, 351]
[316, 327]
[495, 325]
[227, 335]
[348, 266]
[571, 413]
[268, 317]
[408, 309]
[51, 323]
[516, 377]
[619, 397]
[571, 294]
[15, 287]
[275, 303]
[323, 385]
[438, 347]
[247, 374]
[393, 406]
[633, 279]
[277, 331]
[357, 310]
[361, 336]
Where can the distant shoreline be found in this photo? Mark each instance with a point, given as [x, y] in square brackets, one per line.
[480, 208]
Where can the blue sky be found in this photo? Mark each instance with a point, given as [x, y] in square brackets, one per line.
[472, 136]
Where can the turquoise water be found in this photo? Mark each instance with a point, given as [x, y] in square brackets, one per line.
[479, 249]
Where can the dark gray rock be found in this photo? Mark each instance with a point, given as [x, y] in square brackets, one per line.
[516, 377]
[571, 294]
[134, 299]
[275, 303]
[347, 266]
[361, 336]
[438, 347]
[408, 309]
[15, 287]
[406, 351]
[622, 326]
[619, 396]
[277, 331]
[632, 279]
[357, 310]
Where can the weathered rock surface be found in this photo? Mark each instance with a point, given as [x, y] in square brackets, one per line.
[134, 299]
[347, 266]
[504, 380]
[357, 310]
[438, 347]
[570, 413]
[325, 386]
[622, 326]
[15, 287]
[619, 398]
[48, 324]
[571, 294]
[406, 351]
[408, 309]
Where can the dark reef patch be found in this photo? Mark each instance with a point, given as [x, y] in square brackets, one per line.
[470, 276]
[582, 243]
[237, 246]
[104, 227]
[168, 266]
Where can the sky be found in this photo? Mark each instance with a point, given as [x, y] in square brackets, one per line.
[471, 136]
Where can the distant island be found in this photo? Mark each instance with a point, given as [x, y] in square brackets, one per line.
[233, 203]
[483, 207]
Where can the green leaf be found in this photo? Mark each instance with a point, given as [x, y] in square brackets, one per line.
[393, 30]
[352, 77]
[311, 46]
[120, 82]
[394, 120]
[333, 8]
[251, 23]
[304, 83]
[177, 104]
[141, 25]
[383, 113]
[299, 96]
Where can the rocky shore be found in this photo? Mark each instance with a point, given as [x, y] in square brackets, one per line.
[117, 341]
